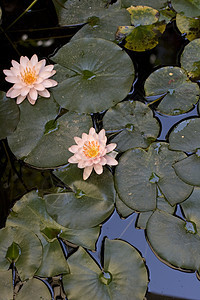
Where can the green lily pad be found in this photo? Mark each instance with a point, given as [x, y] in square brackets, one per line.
[134, 123]
[174, 240]
[41, 144]
[34, 289]
[190, 26]
[90, 203]
[105, 26]
[155, 4]
[180, 94]
[6, 285]
[191, 207]
[122, 275]
[186, 137]
[30, 212]
[91, 79]
[123, 210]
[29, 255]
[190, 59]
[9, 115]
[190, 8]
[143, 15]
[143, 37]
[140, 172]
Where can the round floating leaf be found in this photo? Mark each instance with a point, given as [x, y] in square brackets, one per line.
[9, 115]
[30, 212]
[188, 169]
[155, 4]
[140, 172]
[40, 140]
[144, 37]
[34, 289]
[122, 209]
[27, 254]
[6, 285]
[134, 123]
[189, 8]
[190, 59]
[124, 274]
[174, 240]
[105, 26]
[90, 203]
[180, 94]
[90, 77]
[190, 26]
[191, 207]
[143, 15]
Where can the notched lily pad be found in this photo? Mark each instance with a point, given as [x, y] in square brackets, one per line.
[179, 93]
[116, 279]
[134, 124]
[91, 78]
[42, 141]
[190, 59]
[9, 115]
[34, 289]
[133, 177]
[90, 203]
[190, 26]
[173, 241]
[189, 8]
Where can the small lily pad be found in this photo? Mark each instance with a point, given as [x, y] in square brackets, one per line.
[9, 115]
[174, 85]
[134, 172]
[190, 59]
[189, 8]
[29, 256]
[143, 15]
[90, 203]
[34, 289]
[190, 26]
[121, 275]
[91, 79]
[134, 123]
[6, 285]
[42, 141]
[171, 241]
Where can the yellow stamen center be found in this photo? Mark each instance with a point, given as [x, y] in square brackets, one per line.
[91, 149]
[29, 76]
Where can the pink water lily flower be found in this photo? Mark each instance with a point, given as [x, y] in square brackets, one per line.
[30, 78]
[91, 151]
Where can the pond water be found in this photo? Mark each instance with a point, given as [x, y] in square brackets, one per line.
[28, 36]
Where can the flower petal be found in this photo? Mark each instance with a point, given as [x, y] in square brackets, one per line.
[73, 148]
[110, 147]
[31, 100]
[44, 93]
[39, 87]
[87, 171]
[8, 72]
[12, 79]
[25, 90]
[34, 60]
[15, 64]
[73, 160]
[20, 99]
[24, 61]
[111, 161]
[14, 93]
[77, 139]
[33, 94]
[49, 83]
[98, 169]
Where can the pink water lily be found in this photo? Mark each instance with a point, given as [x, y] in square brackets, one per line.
[30, 78]
[91, 151]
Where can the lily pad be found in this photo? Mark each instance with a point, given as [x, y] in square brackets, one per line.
[38, 142]
[30, 212]
[90, 77]
[34, 289]
[191, 207]
[180, 94]
[190, 59]
[6, 285]
[190, 26]
[134, 123]
[140, 172]
[9, 115]
[173, 241]
[90, 203]
[27, 254]
[155, 4]
[123, 210]
[121, 276]
[186, 137]
[143, 15]
[189, 8]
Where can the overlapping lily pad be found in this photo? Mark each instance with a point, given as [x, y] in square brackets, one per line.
[34, 289]
[190, 26]
[9, 115]
[179, 93]
[191, 207]
[190, 59]
[42, 141]
[90, 203]
[96, 75]
[140, 172]
[21, 246]
[186, 137]
[6, 285]
[122, 276]
[155, 4]
[189, 8]
[134, 123]
[174, 240]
